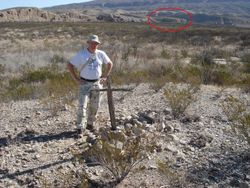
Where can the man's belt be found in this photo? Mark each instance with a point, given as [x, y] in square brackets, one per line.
[87, 80]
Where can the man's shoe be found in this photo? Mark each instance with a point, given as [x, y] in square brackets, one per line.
[79, 131]
[90, 127]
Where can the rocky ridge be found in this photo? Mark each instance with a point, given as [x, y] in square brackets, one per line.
[35, 147]
[85, 15]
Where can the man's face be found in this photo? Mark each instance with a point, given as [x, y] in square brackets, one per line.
[93, 45]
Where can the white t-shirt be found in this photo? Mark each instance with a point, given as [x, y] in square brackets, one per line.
[93, 68]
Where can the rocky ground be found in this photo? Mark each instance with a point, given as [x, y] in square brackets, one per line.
[200, 149]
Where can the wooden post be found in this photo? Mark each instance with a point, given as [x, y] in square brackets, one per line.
[110, 100]
[111, 104]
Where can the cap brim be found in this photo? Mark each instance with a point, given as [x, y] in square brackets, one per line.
[94, 41]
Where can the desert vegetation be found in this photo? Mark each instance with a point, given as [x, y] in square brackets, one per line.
[176, 66]
[217, 56]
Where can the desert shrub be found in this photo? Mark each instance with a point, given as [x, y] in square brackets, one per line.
[39, 75]
[21, 92]
[233, 108]
[159, 74]
[165, 54]
[244, 126]
[57, 88]
[211, 73]
[23, 69]
[146, 54]
[236, 112]
[57, 59]
[245, 83]
[192, 74]
[127, 77]
[118, 152]
[246, 60]
[16, 89]
[245, 40]
[15, 82]
[59, 91]
[157, 83]
[134, 49]
[2, 69]
[184, 53]
[126, 52]
[180, 98]
[219, 53]
[222, 76]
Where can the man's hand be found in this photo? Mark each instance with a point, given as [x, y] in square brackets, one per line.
[103, 80]
[79, 81]
[73, 74]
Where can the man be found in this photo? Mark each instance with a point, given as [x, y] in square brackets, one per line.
[88, 61]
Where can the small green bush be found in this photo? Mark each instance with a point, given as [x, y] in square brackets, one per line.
[179, 99]
[57, 59]
[58, 91]
[2, 69]
[246, 60]
[165, 54]
[245, 83]
[233, 108]
[210, 72]
[21, 92]
[39, 75]
[223, 77]
[184, 53]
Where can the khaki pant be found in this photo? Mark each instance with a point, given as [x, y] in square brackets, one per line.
[89, 102]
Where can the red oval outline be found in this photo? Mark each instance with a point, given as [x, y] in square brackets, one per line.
[171, 9]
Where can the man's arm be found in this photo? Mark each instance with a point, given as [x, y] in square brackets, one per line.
[73, 73]
[108, 70]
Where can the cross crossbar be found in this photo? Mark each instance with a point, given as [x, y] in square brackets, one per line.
[111, 106]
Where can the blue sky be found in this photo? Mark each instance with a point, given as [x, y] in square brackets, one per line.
[4, 4]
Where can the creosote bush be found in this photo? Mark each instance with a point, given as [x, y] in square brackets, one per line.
[236, 112]
[180, 98]
[119, 152]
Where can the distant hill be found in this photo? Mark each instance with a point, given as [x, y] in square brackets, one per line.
[225, 12]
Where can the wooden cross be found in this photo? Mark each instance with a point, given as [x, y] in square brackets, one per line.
[111, 106]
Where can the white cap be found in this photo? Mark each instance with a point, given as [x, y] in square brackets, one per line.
[94, 38]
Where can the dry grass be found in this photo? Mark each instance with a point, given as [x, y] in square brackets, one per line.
[139, 54]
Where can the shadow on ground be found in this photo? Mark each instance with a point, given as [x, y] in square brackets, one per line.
[28, 136]
[232, 167]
